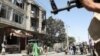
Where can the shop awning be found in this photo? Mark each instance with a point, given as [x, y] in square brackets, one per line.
[20, 33]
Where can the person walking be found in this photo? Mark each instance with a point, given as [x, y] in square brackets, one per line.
[74, 49]
[81, 49]
[28, 49]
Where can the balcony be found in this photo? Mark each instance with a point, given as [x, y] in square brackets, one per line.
[34, 15]
[7, 23]
[11, 15]
[34, 11]
[34, 29]
[13, 6]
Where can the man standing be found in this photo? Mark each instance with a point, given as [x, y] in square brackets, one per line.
[74, 49]
[35, 49]
[81, 49]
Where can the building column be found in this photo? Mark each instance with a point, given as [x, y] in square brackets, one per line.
[28, 20]
[40, 21]
[11, 12]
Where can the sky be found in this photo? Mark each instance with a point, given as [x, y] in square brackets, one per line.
[76, 21]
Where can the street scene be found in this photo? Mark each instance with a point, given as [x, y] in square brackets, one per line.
[50, 54]
[49, 27]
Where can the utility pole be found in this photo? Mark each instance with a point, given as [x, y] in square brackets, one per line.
[67, 38]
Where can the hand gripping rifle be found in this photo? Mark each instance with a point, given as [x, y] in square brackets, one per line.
[70, 4]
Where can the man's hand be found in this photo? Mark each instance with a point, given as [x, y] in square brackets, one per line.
[91, 5]
[88, 4]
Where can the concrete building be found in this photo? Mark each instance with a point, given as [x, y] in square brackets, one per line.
[20, 20]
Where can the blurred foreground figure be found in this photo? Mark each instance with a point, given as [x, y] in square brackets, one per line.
[3, 49]
[94, 28]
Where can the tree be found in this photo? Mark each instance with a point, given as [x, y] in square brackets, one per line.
[55, 30]
[71, 40]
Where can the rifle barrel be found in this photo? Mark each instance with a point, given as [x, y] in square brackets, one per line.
[62, 9]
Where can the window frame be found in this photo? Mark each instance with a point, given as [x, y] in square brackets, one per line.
[19, 5]
[36, 10]
[3, 11]
[20, 17]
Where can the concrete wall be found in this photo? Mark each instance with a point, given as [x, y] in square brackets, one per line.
[26, 23]
[9, 21]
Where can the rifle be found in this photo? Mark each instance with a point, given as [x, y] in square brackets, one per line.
[70, 4]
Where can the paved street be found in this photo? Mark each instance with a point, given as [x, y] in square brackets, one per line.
[61, 54]
[11, 55]
[49, 54]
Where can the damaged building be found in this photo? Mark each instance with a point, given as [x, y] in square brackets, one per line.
[20, 21]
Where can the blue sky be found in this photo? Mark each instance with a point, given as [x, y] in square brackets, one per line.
[77, 20]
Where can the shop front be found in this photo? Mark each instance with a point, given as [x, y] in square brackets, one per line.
[15, 40]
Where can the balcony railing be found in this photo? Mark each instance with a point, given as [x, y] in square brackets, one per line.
[34, 15]
[11, 15]
[34, 29]
[13, 6]
[6, 22]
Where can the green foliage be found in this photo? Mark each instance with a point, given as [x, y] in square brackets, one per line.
[55, 30]
[71, 40]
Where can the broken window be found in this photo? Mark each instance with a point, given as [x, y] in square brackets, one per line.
[43, 24]
[44, 20]
[17, 17]
[20, 19]
[43, 15]
[19, 3]
[34, 23]
[3, 11]
[35, 10]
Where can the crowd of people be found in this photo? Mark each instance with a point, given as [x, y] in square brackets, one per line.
[79, 49]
